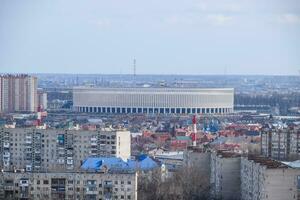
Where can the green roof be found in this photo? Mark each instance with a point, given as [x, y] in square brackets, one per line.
[183, 138]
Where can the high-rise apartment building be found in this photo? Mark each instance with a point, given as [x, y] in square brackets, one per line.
[18, 93]
[281, 142]
[42, 100]
[42, 150]
[69, 185]
[225, 175]
[264, 178]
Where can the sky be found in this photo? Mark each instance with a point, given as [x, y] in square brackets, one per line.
[194, 37]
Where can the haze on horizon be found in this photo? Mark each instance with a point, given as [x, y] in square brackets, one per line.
[165, 37]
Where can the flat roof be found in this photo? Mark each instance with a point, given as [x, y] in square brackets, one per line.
[269, 163]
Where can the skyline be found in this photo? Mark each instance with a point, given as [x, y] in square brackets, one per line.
[196, 37]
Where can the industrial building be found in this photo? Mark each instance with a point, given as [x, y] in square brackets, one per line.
[42, 150]
[225, 175]
[18, 93]
[153, 100]
[264, 178]
[280, 142]
[68, 185]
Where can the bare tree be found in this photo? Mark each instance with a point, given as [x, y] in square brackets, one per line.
[189, 183]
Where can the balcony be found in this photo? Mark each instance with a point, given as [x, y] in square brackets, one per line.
[93, 139]
[69, 161]
[6, 144]
[91, 190]
[24, 183]
[94, 144]
[6, 155]
[28, 141]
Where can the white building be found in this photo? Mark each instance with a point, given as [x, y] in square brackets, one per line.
[263, 178]
[153, 100]
[225, 175]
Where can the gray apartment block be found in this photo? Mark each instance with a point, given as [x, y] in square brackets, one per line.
[225, 175]
[68, 186]
[281, 142]
[41, 150]
[263, 178]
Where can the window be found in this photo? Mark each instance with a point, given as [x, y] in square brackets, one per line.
[46, 182]
[38, 182]
[129, 182]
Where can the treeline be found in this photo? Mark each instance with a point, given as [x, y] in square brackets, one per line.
[273, 99]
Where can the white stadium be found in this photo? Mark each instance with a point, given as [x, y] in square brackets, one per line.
[153, 100]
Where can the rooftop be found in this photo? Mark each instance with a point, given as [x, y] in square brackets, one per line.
[269, 163]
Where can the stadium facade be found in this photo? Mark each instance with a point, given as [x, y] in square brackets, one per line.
[153, 100]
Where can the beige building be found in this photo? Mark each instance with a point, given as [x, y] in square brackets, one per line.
[18, 93]
[263, 178]
[225, 175]
[153, 100]
[57, 149]
[69, 186]
[281, 142]
[42, 100]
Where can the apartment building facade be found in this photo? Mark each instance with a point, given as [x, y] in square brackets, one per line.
[263, 178]
[281, 142]
[68, 186]
[18, 93]
[225, 175]
[40, 150]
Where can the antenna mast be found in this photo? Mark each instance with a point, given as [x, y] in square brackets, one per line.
[134, 70]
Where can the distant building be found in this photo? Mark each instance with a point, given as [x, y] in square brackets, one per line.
[180, 143]
[42, 150]
[225, 175]
[281, 143]
[18, 93]
[42, 100]
[68, 185]
[264, 178]
[153, 100]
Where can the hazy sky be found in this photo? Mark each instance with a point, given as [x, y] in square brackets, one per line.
[165, 36]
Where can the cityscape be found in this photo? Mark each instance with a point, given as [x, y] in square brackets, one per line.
[73, 126]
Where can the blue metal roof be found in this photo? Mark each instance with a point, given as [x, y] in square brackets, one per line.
[142, 162]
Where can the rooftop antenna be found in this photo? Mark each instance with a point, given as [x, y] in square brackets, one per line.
[134, 70]
[120, 76]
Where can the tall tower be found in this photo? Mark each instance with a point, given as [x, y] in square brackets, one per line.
[194, 131]
[134, 71]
